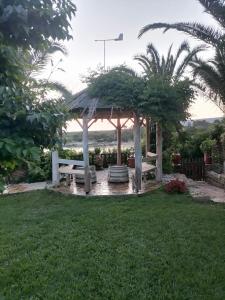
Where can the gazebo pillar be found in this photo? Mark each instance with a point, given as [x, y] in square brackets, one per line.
[138, 154]
[159, 141]
[87, 179]
[148, 132]
[119, 134]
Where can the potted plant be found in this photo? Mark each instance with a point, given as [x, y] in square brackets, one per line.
[98, 160]
[131, 159]
[176, 156]
[206, 147]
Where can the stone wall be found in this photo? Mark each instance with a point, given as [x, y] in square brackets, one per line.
[215, 179]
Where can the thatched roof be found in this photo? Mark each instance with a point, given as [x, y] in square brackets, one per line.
[82, 104]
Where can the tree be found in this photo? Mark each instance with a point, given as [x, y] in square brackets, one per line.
[28, 26]
[120, 86]
[153, 96]
[172, 67]
[168, 92]
[212, 76]
[35, 23]
[207, 34]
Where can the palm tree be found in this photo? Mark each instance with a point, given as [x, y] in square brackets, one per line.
[212, 76]
[210, 73]
[170, 69]
[207, 34]
[37, 61]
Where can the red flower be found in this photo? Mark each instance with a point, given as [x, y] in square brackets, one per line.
[176, 186]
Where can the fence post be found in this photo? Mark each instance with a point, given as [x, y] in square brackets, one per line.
[55, 168]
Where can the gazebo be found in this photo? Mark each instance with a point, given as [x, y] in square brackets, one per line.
[88, 110]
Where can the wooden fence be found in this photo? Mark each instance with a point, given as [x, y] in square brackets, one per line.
[193, 168]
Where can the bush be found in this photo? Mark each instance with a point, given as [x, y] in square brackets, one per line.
[2, 184]
[41, 170]
[167, 163]
[176, 186]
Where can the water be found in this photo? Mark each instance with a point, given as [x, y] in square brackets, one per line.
[104, 146]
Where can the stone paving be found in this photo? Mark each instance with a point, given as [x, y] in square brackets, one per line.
[199, 190]
[103, 188]
[100, 188]
[26, 187]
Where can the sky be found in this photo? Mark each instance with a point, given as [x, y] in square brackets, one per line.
[102, 19]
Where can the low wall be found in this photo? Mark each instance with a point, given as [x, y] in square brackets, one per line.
[215, 179]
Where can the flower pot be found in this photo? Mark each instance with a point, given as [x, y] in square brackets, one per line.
[176, 159]
[207, 158]
[131, 162]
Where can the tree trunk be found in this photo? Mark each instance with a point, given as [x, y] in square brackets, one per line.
[159, 142]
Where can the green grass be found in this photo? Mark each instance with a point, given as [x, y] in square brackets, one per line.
[153, 247]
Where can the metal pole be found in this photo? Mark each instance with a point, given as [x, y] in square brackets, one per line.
[104, 55]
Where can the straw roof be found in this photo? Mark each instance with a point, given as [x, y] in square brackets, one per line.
[82, 104]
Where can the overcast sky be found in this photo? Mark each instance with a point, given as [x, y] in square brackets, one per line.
[99, 19]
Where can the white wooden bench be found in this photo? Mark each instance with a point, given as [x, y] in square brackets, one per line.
[68, 170]
[147, 168]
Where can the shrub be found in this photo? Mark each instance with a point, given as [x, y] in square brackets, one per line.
[175, 186]
[2, 184]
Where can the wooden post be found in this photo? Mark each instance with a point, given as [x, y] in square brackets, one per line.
[87, 179]
[148, 132]
[119, 133]
[138, 154]
[159, 142]
[55, 168]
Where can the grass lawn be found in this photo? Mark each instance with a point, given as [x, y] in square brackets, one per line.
[153, 247]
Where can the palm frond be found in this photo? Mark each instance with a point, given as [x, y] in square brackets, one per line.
[188, 59]
[215, 8]
[201, 32]
[144, 62]
[57, 87]
[40, 59]
[213, 80]
[155, 56]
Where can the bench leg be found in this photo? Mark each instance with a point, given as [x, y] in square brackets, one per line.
[67, 179]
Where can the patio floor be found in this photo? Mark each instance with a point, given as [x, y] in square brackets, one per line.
[103, 187]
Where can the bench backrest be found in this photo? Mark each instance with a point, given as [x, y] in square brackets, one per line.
[55, 165]
[79, 163]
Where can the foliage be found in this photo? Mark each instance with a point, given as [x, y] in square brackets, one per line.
[40, 170]
[167, 162]
[97, 150]
[29, 31]
[48, 239]
[212, 76]
[210, 73]
[120, 86]
[207, 145]
[17, 152]
[207, 34]
[32, 23]
[2, 184]
[170, 67]
[175, 186]
[167, 103]
[156, 97]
